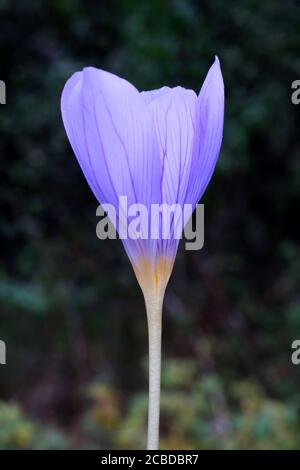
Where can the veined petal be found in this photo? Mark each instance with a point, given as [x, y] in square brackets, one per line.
[120, 136]
[174, 114]
[208, 132]
[112, 134]
[71, 108]
[151, 95]
[189, 131]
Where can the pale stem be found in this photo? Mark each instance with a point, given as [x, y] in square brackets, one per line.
[154, 314]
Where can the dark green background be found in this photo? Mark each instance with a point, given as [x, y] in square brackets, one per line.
[72, 314]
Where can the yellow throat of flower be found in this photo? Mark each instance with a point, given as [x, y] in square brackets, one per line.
[153, 275]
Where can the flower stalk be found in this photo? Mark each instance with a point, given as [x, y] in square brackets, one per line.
[153, 278]
[154, 317]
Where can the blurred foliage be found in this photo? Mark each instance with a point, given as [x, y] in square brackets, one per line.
[70, 310]
[17, 431]
[197, 413]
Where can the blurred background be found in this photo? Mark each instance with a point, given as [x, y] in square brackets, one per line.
[72, 314]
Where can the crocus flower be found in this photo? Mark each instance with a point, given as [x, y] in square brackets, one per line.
[153, 147]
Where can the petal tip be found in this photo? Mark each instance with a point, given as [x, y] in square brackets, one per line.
[216, 64]
[216, 71]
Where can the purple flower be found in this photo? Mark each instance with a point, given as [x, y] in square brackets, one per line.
[154, 147]
[157, 146]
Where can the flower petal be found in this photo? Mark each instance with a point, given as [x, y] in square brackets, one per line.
[189, 131]
[151, 95]
[174, 115]
[71, 108]
[209, 132]
[112, 134]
